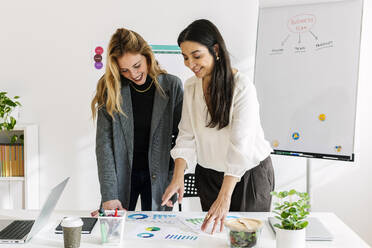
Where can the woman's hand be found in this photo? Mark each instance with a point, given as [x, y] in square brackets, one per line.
[176, 186]
[177, 183]
[95, 213]
[108, 205]
[220, 207]
[112, 205]
[217, 213]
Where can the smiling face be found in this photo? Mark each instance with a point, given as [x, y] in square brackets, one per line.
[133, 66]
[198, 58]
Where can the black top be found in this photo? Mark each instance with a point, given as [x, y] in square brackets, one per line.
[142, 103]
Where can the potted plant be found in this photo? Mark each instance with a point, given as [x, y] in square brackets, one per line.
[291, 210]
[7, 121]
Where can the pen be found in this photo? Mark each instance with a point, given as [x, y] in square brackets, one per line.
[116, 212]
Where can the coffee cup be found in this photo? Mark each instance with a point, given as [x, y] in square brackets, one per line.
[71, 227]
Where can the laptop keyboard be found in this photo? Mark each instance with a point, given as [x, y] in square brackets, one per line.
[17, 229]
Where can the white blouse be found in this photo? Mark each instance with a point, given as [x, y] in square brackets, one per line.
[236, 148]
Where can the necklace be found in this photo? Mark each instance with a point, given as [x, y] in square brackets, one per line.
[142, 91]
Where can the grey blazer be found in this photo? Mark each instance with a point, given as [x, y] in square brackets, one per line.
[114, 143]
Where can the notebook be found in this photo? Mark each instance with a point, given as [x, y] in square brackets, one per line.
[14, 231]
[87, 228]
[315, 230]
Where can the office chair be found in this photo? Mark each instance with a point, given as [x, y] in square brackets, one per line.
[190, 188]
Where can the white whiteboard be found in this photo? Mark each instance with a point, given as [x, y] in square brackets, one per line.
[306, 75]
[173, 64]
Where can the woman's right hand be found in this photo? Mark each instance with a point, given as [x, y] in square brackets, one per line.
[112, 205]
[177, 183]
[176, 186]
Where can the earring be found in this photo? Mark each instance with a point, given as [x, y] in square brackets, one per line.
[218, 58]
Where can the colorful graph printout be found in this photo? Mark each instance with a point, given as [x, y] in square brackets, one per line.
[138, 216]
[195, 224]
[162, 231]
[149, 217]
[181, 237]
[145, 235]
[195, 221]
[153, 228]
[163, 216]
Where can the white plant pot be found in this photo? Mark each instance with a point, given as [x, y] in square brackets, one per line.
[290, 238]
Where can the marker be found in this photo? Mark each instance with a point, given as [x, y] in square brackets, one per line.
[101, 212]
[330, 158]
[116, 212]
[103, 233]
[283, 153]
[308, 156]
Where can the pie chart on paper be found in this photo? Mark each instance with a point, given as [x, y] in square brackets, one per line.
[153, 229]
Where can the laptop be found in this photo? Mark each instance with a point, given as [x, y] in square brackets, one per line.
[21, 231]
[315, 230]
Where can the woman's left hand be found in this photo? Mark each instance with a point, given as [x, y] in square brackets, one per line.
[217, 213]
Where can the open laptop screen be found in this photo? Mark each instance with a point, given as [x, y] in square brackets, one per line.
[47, 208]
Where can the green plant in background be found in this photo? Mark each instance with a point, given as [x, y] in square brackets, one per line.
[7, 122]
[291, 209]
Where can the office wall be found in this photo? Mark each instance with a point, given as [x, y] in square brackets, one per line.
[46, 47]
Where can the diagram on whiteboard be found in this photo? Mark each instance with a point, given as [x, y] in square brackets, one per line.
[300, 27]
[306, 76]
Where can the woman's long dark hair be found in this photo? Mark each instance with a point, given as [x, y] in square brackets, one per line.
[221, 87]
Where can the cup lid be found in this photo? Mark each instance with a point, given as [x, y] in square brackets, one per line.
[244, 224]
[72, 222]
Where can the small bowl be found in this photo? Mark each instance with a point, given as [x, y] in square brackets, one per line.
[243, 232]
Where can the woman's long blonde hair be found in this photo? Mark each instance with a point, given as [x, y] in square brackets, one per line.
[109, 85]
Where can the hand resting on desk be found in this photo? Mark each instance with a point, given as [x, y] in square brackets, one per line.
[108, 205]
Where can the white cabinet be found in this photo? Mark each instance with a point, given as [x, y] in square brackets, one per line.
[22, 192]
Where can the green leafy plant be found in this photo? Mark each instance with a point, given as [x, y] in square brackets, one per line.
[291, 209]
[7, 122]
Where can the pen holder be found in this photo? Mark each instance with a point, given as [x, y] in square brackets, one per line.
[112, 227]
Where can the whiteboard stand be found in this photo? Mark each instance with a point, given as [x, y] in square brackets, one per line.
[308, 180]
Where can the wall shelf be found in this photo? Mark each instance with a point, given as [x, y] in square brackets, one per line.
[23, 192]
[12, 178]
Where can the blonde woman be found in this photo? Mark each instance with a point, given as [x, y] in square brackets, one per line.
[138, 108]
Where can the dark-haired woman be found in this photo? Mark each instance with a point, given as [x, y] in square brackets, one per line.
[220, 131]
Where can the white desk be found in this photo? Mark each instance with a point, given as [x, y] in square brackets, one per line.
[343, 235]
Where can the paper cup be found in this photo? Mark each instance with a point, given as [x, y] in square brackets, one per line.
[71, 227]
